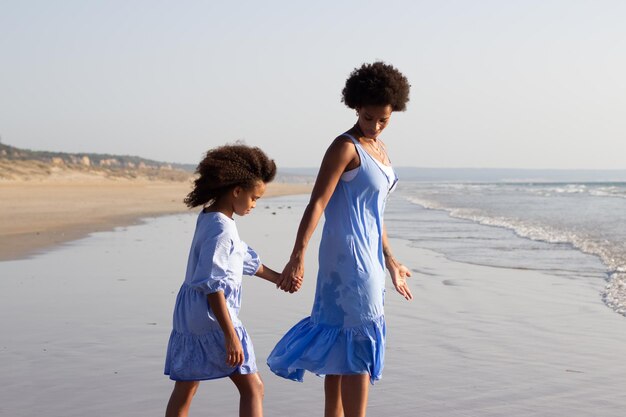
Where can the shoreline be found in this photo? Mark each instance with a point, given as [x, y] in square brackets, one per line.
[37, 216]
[476, 340]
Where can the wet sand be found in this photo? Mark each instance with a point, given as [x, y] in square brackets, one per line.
[87, 325]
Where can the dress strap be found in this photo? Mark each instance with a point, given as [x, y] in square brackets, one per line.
[357, 145]
[351, 137]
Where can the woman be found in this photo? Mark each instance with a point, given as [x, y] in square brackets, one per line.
[344, 338]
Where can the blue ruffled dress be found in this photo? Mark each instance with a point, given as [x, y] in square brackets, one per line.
[345, 333]
[217, 260]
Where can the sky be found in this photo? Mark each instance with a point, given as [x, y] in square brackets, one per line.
[494, 84]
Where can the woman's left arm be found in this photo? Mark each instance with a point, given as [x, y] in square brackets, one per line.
[398, 272]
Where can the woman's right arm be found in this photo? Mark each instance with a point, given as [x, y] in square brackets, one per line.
[338, 156]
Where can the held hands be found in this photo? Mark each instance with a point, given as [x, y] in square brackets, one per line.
[292, 276]
[276, 278]
[399, 274]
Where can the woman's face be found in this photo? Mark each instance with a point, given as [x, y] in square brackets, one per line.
[373, 119]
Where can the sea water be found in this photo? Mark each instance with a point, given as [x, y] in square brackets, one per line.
[572, 229]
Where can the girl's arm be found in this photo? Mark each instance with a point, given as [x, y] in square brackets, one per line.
[340, 153]
[273, 276]
[398, 272]
[234, 350]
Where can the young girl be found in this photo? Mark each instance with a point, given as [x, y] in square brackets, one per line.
[208, 340]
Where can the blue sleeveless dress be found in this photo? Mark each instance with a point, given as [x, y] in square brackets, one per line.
[345, 333]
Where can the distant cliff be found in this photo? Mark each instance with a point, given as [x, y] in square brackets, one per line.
[25, 164]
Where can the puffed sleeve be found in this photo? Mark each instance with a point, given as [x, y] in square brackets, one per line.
[251, 261]
[211, 274]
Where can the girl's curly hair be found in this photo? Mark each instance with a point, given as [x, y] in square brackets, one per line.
[376, 84]
[226, 167]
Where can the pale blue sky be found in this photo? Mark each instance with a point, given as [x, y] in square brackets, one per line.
[510, 84]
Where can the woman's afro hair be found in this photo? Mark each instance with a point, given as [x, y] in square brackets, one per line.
[376, 84]
[226, 167]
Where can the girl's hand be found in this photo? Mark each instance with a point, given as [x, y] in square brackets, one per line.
[296, 284]
[292, 276]
[234, 351]
[399, 274]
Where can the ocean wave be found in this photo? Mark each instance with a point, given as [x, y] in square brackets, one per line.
[591, 190]
[611, 191]
[547, 191]
[612, 255]
[540, 189]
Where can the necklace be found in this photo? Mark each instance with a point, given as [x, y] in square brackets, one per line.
[373, 144]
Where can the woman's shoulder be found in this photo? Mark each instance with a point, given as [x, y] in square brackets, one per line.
[339, 155]
[343, 143]
[345, 137]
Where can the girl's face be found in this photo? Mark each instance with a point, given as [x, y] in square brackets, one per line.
[373, 119]
[244, 199]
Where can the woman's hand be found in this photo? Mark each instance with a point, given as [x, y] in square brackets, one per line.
[292, 276]
[234, 351]
[399, 274]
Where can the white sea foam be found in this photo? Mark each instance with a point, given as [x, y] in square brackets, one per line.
[619, 192]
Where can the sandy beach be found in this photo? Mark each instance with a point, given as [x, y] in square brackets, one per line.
[36, 215]
[89, 322]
